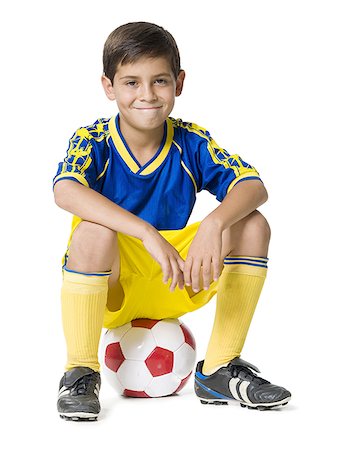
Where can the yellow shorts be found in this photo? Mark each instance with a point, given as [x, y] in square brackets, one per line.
[141, 277]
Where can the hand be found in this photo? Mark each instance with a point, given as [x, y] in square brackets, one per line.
[167, 256]
[204, 253]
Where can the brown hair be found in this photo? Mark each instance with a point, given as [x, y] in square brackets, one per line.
[130, 42]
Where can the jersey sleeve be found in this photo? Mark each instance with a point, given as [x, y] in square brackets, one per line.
[81, 161]
[220, 171]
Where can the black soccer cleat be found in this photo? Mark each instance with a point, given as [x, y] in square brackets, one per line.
[78, 398]
[237, 383]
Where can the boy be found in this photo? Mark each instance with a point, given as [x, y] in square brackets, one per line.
[131, 184]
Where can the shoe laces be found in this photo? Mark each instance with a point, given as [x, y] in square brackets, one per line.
[246, 374]
[85, 385]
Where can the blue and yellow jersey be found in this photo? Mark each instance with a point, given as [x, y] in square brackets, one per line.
[162, 191]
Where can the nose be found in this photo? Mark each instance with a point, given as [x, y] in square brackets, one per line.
[147, 93]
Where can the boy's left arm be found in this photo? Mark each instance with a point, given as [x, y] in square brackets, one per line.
[205, 249]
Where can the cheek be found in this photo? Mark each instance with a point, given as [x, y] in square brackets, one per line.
[169, 96]
[124, 97]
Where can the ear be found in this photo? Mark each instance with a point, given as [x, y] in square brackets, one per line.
[179, 83]
[108, 87]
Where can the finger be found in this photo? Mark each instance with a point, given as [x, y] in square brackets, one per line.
[176, 271]
[180, 262]
[216, 267]
[166, 269]
[177, 276]
[187, 271]
[195, 275]
[206, 273]
[181, 280]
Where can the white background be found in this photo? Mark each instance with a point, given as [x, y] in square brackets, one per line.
[262, 77]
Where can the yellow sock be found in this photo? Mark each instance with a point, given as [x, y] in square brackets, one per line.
[83, 299]
[239, 288]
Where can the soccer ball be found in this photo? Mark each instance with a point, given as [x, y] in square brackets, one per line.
[148, 358]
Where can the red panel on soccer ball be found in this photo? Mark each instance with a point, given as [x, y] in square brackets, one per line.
[130, 393]
[189, 338]
[160, 361]
[154, 357]
[144, 323]
[114, 356]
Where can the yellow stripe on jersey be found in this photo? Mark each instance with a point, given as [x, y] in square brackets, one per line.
[104, 170]
[99, 130]
[192, 127]
[215, 151]
[78, 157]
[186, 168]
[239, 178]
[85, 165]
[163, 153]
[121, 147]
[66, 175]
[76, 148]
[123, 151]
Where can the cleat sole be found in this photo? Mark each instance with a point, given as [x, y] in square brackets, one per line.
[79, 416]
[78, 419]
[265, 407]
[213, 402]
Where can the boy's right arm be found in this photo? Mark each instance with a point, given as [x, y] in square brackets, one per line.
[94, 207]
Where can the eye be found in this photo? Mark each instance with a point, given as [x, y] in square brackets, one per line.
[161, 82]
[131, 83]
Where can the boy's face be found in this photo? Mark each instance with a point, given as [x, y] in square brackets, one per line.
[145, 92]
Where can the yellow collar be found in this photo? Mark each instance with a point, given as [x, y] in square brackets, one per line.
[125, 152]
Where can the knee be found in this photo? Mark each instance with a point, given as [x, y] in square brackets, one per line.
[89, 233]
[258, 227]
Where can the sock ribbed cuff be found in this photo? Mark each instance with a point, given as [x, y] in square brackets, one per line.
[250, 265]
[97, 274]
[72, 278]
[257, 261]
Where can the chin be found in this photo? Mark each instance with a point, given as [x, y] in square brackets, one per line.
[150, 124]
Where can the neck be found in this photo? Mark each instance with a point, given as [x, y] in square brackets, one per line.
[142, 140]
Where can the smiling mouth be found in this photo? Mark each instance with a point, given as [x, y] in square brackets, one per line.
[149, 109]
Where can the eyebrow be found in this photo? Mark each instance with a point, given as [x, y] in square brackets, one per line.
[155, 76]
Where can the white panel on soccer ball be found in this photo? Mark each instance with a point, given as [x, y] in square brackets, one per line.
[168, 334]
[115, 334]
[137, 343]
[184, 360]
[134, 375]
[112, 379]
[111, 336]
[102, 351]
[163, 385]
